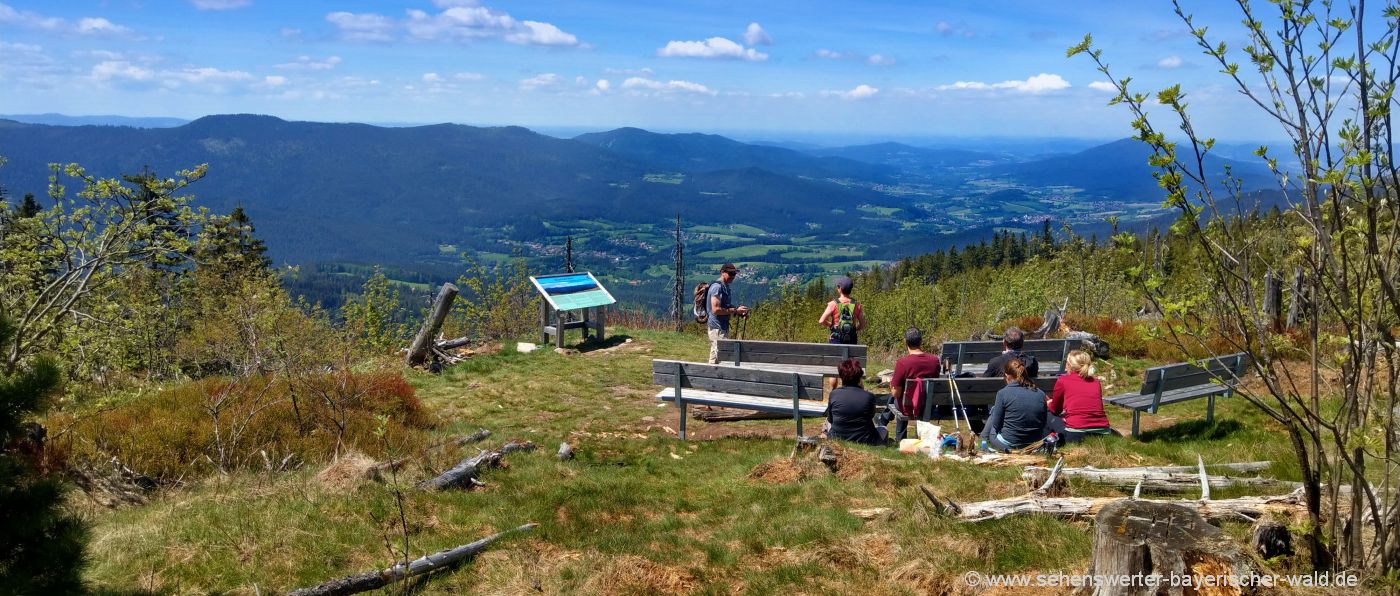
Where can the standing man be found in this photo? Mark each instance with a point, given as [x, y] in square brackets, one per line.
[915, 366]
[720, 307]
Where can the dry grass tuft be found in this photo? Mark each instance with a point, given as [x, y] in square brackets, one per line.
[346, 473]
[630, 574]
[786, 470]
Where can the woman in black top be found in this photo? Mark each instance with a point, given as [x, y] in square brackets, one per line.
[1018, 416]
[850, 410]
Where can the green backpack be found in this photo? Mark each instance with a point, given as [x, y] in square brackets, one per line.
[844, 329]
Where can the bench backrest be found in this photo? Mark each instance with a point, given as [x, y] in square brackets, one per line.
[959, 353]
[1222, 369]
[974, 392]
[788, 352]
[739, 380]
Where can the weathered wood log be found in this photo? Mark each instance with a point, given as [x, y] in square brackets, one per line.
[451, 344]
[1238, 509]
[566, 452]
[422, 344]
[475, 437]
[732, 415]
[1271, 539]
[464, 474]
[1154, 479]
[374, 580]
[1156, 545]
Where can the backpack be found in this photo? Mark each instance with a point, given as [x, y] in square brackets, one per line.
[844, 328]
[1027, 361]
[702, 310]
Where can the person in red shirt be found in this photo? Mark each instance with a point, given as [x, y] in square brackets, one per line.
[1078, 399]
[916, 365]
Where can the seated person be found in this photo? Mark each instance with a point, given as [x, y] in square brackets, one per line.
[918, 364]
[1012, 342]
[850, 410]
[1078, 399]
[1019, 414]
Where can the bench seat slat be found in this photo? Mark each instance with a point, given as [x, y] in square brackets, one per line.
[1138, 401]
[743, 402]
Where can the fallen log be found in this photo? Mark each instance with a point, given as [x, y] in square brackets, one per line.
[421, 348]
[452, 344]
[731, 415]
[1154, 479]
[374, 580]
[1238, 509]
[464, 474]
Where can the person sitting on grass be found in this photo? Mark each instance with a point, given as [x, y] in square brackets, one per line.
[850, 410]
[1019, 414]
[1078, 399]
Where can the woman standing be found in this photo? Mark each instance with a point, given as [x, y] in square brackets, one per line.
[1078, 399]
[843, 315]
[1018, 415]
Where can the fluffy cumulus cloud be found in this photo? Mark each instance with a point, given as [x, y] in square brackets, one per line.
[220, 4]
[541, 81]
[93, 26]
[203, 79]
[859, 92]
[1041, 83]
[457, 21]
[432, 77]
[673, 86]
[602, 85]
[756, 36]
[1170, 62]
[1103, 86]
[309, 63]
[714, 47]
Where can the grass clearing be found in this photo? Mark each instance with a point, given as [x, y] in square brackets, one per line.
[638, 511]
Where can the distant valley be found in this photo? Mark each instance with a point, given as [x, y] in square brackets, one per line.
[416, 198]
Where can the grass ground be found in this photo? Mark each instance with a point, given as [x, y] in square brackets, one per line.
[638, 511]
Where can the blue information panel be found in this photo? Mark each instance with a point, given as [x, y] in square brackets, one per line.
[572, 291]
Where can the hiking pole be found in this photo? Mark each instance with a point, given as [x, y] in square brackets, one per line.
[962, 405]
[953, 405]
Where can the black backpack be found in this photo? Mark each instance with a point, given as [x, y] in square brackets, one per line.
[702, 310]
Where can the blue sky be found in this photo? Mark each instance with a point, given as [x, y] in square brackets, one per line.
[776, 69]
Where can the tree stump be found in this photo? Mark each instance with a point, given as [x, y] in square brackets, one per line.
[1272, 539]
[1158, 547]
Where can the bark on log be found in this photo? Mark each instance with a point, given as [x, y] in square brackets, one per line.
[374, 580]
[1271, 539]
[449, 344]
[464, 474]
[1239, 509]
[1153, 479]
[422, 344]
[1157, 545]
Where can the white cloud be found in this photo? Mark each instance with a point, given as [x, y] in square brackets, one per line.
[756, 36]
[85, 26]
[602, 85]
[458, 21]
[309, 63]
[639, 83]
[831, 54]
[947, 29]
[788, 95]
[220, 4]
[274, 80]
[432, 77]
[1041, 83]
[859, 92]
[879, 60]
[205, 79]
[1103, 86]
[646, 72]
[452, 3]
[363, 26]
[548, 79]
[117, 70]
[1172, 61]
[873, 59]
[714, 47]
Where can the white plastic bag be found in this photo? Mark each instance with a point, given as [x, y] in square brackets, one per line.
[930, 438]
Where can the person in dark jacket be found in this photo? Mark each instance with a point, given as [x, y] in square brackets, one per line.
[850, 410]
[1012, 342]
[1019, 414]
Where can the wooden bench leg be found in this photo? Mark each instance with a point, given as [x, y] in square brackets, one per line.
[1210, 409]
[681, 403]
[1136, 414]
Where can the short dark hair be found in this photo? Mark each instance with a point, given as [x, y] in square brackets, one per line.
[913, 337]
[850, 372]
[1014, 338]
[728, 268]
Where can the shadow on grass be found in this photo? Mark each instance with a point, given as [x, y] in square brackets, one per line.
[1193, 430]
[593, 344]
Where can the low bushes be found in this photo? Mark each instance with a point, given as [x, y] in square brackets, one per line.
[222, 424]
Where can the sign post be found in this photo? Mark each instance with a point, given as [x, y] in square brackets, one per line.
[566, 292]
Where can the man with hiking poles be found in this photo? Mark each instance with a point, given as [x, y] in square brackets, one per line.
[713, 307]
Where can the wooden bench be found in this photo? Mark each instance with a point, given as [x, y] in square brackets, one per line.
[972, 356]
[743, 387]
[1184, 382]
[975, 393]
[788, 355]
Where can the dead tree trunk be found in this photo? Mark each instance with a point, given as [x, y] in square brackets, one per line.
[1169, 480]
[1156, 546]
[374, 580]
[464, 474]
[1238, 509]
[419, 351]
